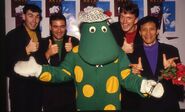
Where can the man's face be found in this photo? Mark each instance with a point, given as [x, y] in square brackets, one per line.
[128, 22]
[58, 29]
[31, 19]
[149, 33]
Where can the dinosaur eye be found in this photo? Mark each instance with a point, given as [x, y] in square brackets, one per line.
[104, 29]
[92, 29]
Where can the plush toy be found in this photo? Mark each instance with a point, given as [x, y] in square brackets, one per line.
[98, 67]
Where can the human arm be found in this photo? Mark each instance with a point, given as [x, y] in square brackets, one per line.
[52, 49]
[137, 68]
[127, 47]
[136, 83]
[15, 44]
[31, 47]
[70, 43]
[171, 57]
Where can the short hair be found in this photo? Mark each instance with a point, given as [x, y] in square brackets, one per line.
[32, 7]
[147, 19]
[129, 7]
[57, 16]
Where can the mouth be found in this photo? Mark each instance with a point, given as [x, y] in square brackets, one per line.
[33, 25]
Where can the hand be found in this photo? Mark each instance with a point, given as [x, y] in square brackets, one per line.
[128, 48]
[28, 68]
[137, 68]
[169, 62]
[152, 88]
[32, 47]
[68, 45]
[52, 49]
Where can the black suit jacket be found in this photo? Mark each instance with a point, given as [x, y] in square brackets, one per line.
[172, 93]
[15, 44]
[25, 93]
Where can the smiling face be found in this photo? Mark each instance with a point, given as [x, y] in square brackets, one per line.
[31, 19]
[58, 29]
[128, 22]
[97, 45]
[149, 32]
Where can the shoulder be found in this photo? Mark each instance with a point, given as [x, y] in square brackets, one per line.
[73, 39]
[45, 40]
[167, 46]
[14, 33]
[114, 25]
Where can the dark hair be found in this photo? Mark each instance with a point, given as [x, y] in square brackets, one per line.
[57, 16]
[147, 19]
[32, 7]
[130, 7]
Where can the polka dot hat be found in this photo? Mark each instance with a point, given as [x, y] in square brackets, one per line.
[92, 14]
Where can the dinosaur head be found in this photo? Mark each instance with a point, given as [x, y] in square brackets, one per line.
[97, 44]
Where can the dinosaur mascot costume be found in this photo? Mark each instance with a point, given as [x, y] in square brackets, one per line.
[98, 67]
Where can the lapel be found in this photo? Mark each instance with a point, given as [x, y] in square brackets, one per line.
[147, 72]
[159, 61]
[146, 66]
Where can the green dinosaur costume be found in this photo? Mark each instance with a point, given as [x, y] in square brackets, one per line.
[97, 66]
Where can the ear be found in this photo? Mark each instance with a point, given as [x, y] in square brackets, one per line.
[139, 32]
[23, 17]
[136, 20]
[158, 32]
[50, 27]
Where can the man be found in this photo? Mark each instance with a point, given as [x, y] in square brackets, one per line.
[126, 35]
[153, 57]
[58, 97]
[125, 30]
[21, 43]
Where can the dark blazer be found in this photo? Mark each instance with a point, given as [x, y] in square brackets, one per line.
[16, 41]
[172, 93]
[59, 97]
[25, 93]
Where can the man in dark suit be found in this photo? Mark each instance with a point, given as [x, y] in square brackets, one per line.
[126, 35]
[21, 43]
[152, 57]
[58, 97]
[125, 30]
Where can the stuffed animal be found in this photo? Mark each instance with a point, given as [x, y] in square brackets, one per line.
[98, 67]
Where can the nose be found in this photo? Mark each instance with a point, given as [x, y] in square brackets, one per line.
[59, 29]
[148, 32]
[124, 20]
[35, 19]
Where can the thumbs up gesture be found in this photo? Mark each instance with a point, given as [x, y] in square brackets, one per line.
[127, 47]
[32, 47]
[137, 68]
[52, 49]
[68, 45]
[169, 62]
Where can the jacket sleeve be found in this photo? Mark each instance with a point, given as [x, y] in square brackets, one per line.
[171, 52]
[15, 50]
